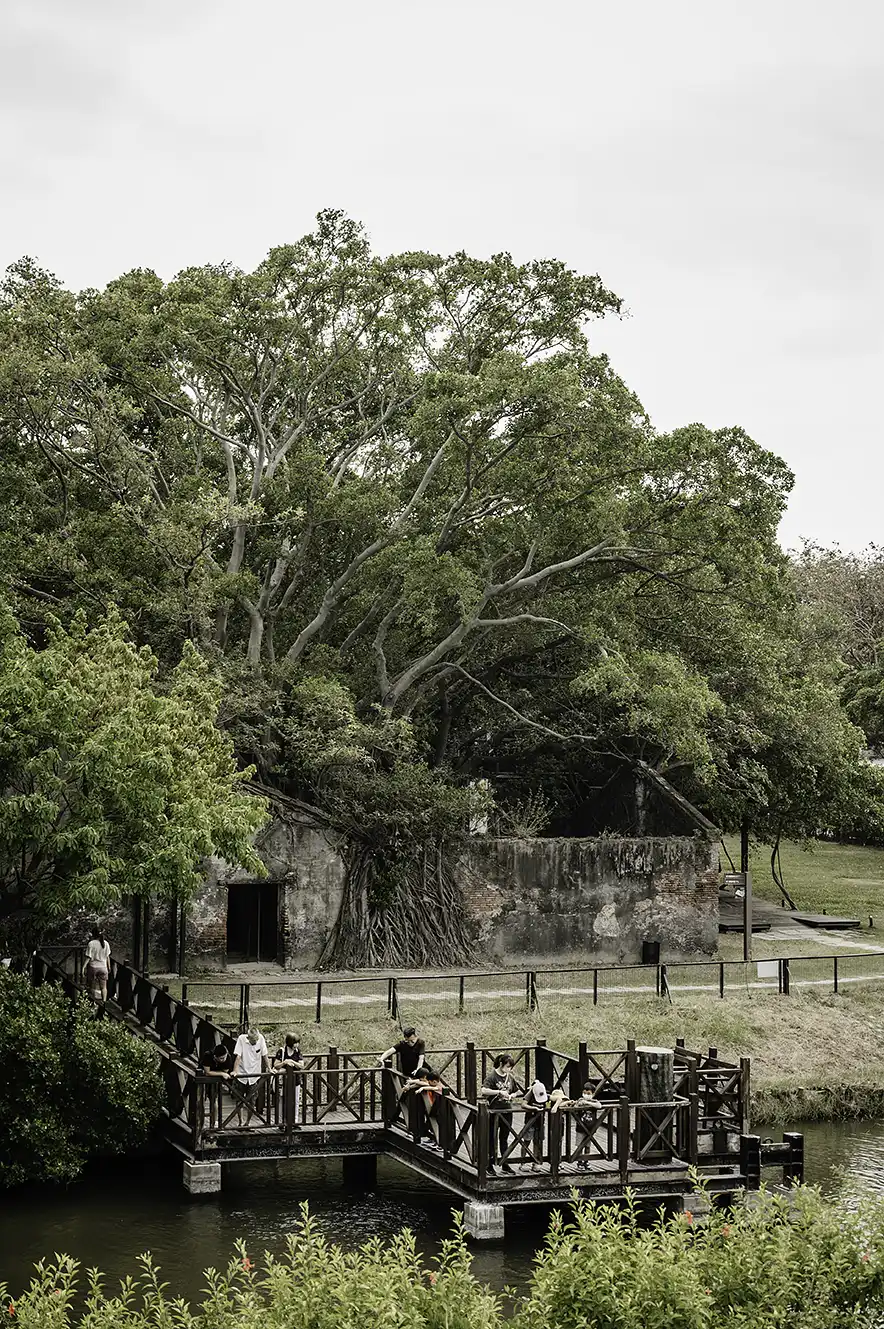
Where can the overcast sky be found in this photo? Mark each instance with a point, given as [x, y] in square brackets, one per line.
[720, 166]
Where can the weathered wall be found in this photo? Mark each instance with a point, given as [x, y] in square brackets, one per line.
[310, 871]
[600, 897]
[584, 898]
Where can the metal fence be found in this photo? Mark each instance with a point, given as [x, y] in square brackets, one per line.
[409, 997]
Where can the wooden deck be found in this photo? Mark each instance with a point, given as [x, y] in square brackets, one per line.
[344, 1104]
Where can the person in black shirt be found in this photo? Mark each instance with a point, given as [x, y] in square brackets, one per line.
[409, 1052]
[217, 1063]
[498, 1089]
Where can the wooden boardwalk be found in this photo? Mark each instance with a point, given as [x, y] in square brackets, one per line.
[345, 1104]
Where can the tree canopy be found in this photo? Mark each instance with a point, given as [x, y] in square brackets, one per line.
[420, 529]
[113, 782]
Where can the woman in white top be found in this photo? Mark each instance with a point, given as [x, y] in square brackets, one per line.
[97, 964]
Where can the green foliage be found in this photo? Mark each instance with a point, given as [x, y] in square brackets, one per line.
[112, 782]
[71, 1086]
[811, 1265]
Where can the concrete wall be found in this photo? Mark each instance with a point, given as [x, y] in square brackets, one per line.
[594, 897]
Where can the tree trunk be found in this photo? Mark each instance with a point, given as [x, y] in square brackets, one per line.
[421, 922]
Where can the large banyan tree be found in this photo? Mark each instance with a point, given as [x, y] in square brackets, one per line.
[427, 535]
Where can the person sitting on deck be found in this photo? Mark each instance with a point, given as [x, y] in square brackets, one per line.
[289, 1055]
[499, 1088]
[426, 1082]
[585, 1114]
[249, 1063]
[409, 1052]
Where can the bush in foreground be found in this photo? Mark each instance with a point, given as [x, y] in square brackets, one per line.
[808, 1266]
[71, 1086]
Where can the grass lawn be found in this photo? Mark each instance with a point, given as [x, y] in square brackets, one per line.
[814, 1056]
[824, 878]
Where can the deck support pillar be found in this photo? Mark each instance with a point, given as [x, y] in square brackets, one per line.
[359, 1172]
[202, 1178]
[483, 1222]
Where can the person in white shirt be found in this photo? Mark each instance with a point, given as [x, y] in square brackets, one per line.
[249, 1064]
[97, 964]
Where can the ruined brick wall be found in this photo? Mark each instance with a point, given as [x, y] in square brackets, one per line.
[599, 897]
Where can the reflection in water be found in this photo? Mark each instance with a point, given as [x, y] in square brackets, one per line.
[114, 1215]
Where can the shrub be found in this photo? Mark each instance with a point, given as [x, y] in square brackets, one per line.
[71, 1085]
[775, 1266]
[798, 1261]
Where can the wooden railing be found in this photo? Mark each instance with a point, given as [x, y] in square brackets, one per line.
[703, 1123]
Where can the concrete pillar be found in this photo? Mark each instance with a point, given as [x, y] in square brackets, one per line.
[360, 1172]
[483, 1222]
[202, 1178]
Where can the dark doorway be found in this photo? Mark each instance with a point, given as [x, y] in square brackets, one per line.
[253, 921]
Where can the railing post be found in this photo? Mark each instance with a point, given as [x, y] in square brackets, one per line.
[750, 1161]
[471, 1078]
[198, 1108]
[446, 1124]
[793, 1171]
[744, 1095]
[693, 1128]
[583, 1063]
[631, 1070]
[334, 1079]
[184, 987]
[460, 995]
[288, 1098]
[835, 974]
[623, 1138]
[319, 1003]
[556, 1130]
[389, 1097]
[483, 1142]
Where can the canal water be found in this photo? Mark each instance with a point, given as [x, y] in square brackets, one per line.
[114, 1214]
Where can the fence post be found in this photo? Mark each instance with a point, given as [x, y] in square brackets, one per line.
[784, 967]
[184, 987]
[319, 1003]
[394, 985]
[659, 980]
[664, 982]
[532, 991]
[390, 997]
[721, 979]
[460, 995]
[246, 995]
[595, 987]
[835, 974]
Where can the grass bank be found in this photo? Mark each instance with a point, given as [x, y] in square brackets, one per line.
[814, 1057]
